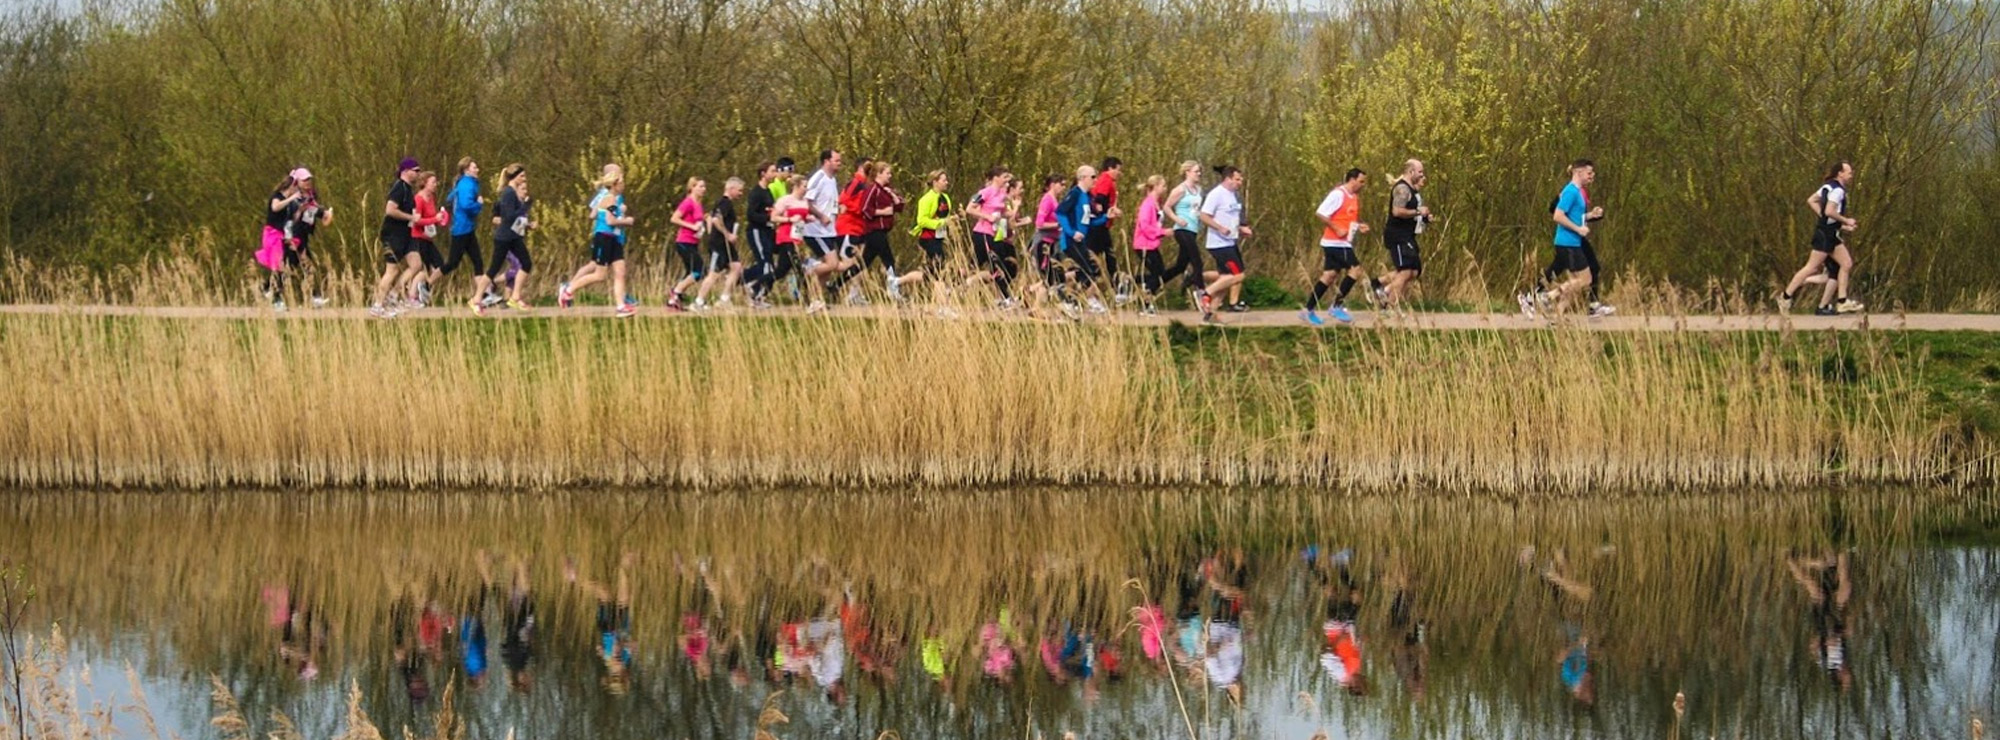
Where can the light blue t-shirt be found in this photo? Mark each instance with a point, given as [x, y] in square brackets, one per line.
[602, 219]
[1572, 204]
[1185, 208]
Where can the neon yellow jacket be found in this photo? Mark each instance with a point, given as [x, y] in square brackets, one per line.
[932, 210]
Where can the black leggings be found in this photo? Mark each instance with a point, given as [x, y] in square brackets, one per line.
[463, 246]
[1554, 274]
[1004, 266]
[1098, 238]
[1153, 271]
[516, 247]
[1086, 267]
[766, 273]
[875, 246]
[1188, 261]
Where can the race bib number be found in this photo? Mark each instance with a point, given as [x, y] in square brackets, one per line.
[310, 216]
[431, 231]
[520, 227]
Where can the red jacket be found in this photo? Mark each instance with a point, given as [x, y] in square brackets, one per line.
[428, 215]
[877, 198]
[851, 221]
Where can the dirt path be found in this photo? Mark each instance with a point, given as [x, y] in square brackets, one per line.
[1362, 319]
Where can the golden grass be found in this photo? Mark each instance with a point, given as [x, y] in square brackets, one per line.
[215, 403]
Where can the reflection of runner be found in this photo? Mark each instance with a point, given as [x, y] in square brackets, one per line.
[1340, 654]
[614, 624]
[517, 646]
[1825, 581]
[1572, 600]
[1412, 654]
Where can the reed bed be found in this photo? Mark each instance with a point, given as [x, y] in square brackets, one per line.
[892, 401]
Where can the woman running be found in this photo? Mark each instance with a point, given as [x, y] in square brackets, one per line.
[879, 206]
[691, 220]
[1048, 244]
[990, 215]
[791, 213]
[511, 224]
[1184, 201]
[423, 239]
[466, 203]
[278, 216]
[933, 213]
[307, 216]
[609, 221]
[1830, 222]
[1146, 235]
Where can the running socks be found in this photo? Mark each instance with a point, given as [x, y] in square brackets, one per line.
[1319, 292]
[1346, 284]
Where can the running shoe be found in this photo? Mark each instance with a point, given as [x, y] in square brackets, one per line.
[1006, 304]
[1148, 310]
[1848, 305]
[1827, 310]
[564, 297]
[816, 307]
[1069, 309]
[760, 304]
[319, 302]
[854, 297]
[1312, 317]
[625, 311]
[675, 306]
[1204, 302]
[946, 313]
[1784, 304]
[1210, 319]
[1601, 310]
[700, 305]
[1239, 307]
[423, 294]
[516, 305]
[895, 290]
[478, 307]
[723, 302]
[278, 306]
[1380, 294]
[378, 311]
[1097, 306]
[492, 299]
[631, 300]
[1341, 315]
[1527, 305]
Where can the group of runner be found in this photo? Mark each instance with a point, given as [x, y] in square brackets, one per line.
[825, 238]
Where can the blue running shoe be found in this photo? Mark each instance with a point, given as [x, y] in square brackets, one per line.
[1340, 314]
[1312, 317]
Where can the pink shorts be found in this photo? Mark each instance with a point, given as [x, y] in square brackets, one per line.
[272, 254]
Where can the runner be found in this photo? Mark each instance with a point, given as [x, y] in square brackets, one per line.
[1222, 214]
[277, 242]
[782, 179]
[689, 217]
[1184, 204]
[1104, 210]
[308, 215]
[1830, 221]
[770, 258]
[1146, 235]
[723, 264]
[423, 240]
[1827, 585]
[609, 221]
[1407, 216]
[466, 203]
[1554, 273]
[1046, 254]
[399, 211]
[934, 213]
[1571, 215]
[991, 213]
[852, 227]
[879, 206]
[511, 224]
[1074, 215]
[1006, 258]
[822, 194]
[1341, 210]
[791, 213]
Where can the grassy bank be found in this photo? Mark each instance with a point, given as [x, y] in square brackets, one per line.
[201, 403]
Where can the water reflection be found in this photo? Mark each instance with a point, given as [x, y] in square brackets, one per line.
[1159, 614]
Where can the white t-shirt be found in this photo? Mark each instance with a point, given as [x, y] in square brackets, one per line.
[823, 194]
[1326, 210]
[1222, 207]
[1835, 199]
[1224, 661]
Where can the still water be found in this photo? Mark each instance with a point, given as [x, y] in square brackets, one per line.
[1007, 613]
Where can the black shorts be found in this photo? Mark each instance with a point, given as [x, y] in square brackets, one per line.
[518, 249]
[1228, 260]
[300, 253]
[821, 246]
[1571, 259]
[427, 251]
[1826, 240]
[394, 247]
[933, 248]
[1404, 255]
[720, 256]
[690, 255]
[1337, 258]
[606, 249]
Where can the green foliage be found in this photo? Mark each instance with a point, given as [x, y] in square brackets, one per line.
[126, 129]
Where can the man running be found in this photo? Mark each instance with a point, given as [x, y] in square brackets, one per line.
[769, 260]
[1572, 213]
[1830, 221]
[723, 263]
[1407, 216]
[1222, 214]
[1341, 210]
[1074, 216]
[1555, 272]
[399, 211]
[822, 193]
[1103, 211]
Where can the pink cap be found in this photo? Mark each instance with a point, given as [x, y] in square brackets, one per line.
[301, 174]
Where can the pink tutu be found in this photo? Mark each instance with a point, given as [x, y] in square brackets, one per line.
[272, 255]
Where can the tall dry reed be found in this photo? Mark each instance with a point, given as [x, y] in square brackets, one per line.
[208, 403]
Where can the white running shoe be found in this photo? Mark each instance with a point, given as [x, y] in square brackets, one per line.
[816, 307]
[319, 302]
[1097, 306]
[1601, 310]
[895, 290]
[1527, 305]
[278, 306]
[1848, 305]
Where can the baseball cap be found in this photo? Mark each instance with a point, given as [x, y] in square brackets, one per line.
[301, 174]
[409, 163]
